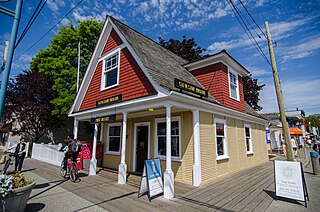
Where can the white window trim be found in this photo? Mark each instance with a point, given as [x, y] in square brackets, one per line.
[229, 82]
[250, 141]
[107, 149]
[173, 158]
[225, 141]
[103, 80]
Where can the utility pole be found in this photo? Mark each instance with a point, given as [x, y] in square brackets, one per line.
[285, 128]
[16, 15]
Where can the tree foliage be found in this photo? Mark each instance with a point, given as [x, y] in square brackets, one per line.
[189, 50]
[314, 120]
[251, 91]
[29, 98]
[60, 61]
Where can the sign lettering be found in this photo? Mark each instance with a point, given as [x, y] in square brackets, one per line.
[191, 88]
[110, 100]
[109, 119]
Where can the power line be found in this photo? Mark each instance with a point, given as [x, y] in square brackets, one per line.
[245, 28]
[36, 12]
[249, 24]
[253, 19]
[52, 27]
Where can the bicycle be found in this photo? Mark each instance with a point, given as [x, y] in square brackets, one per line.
[72, 170]
[8, 163]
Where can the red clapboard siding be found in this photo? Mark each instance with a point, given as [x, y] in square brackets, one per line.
[113, 41]
[132, 83]
[215, 79]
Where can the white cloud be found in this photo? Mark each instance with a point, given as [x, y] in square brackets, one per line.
[55, 5]
[302, 50]
[284, 29]
[297, 93]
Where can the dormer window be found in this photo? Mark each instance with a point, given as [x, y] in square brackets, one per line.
[110, 73]
[233, 85]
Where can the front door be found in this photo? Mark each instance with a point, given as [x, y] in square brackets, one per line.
[142, 136]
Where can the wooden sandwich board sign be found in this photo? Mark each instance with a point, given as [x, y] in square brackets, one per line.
[289, 180]
[151, 180]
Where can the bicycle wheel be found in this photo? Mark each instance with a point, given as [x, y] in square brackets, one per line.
[73, 172]
[63, 171]
[6, 166]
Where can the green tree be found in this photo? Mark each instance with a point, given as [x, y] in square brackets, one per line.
[189, 50]
[28, 100]
[60, 62]
[251, 91]
[314, 120]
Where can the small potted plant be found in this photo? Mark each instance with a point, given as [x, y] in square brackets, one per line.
[15, 191]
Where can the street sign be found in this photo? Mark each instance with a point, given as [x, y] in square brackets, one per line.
[151, 180]
[289, 180]
[268, 136]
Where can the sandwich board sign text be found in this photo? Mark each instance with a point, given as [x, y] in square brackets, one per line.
[289, 180]
[151, 180]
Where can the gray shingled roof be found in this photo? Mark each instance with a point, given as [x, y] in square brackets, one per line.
[162, 64]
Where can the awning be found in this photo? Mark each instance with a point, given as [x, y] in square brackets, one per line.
[295, 131]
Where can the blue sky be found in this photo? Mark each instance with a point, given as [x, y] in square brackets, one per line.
[294, 25]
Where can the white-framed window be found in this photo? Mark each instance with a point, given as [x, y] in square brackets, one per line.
[110, 70]
[220, 128]
[160, 138]
[233, 85]
[248, 136]
[114, 139]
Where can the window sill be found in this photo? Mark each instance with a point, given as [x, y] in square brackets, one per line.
[250, 153]
[237, 99]
[107, 88]
[112, 153]
[223, 157]
[172, 158]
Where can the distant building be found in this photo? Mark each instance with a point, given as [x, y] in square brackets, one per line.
[296, 123]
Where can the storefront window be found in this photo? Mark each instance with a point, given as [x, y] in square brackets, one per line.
[161, 138]
[114, 139]
[221, 140]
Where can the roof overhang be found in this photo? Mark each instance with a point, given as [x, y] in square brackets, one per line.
[223, 57]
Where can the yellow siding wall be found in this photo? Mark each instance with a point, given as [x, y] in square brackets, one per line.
[238, 158]
[211, 168]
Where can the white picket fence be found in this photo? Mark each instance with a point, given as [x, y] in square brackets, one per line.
[48, 153]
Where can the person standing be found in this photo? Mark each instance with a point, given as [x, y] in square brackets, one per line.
[293, 146]
[20, 154]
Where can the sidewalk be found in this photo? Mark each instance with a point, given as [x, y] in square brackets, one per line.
[313, 187]
[247, 190]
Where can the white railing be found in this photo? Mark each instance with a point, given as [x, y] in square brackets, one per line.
[48, 153]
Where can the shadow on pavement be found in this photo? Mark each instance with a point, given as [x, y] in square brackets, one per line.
[34, 207]
[201, 203]
[273, 195]
[108, 200]
[28, 170]
[61, 181]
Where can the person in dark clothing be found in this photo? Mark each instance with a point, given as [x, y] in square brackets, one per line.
[70, 153]
[20, 154]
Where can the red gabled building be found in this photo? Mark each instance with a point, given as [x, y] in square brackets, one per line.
[134, 90]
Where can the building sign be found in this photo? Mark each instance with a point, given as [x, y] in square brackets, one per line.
[151, 180]
[268, 136]
[289, 180]
[191, 88]
[111, 118]
[110, 100]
